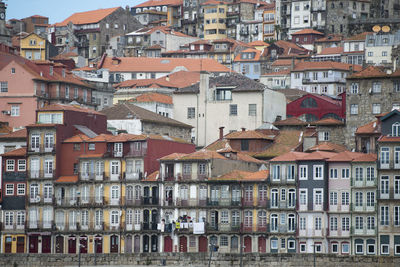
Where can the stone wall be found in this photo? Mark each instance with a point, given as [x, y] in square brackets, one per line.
[165, 129]
[198, 259]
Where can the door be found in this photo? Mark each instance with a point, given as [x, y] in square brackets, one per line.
[203, 244]
[154, 219]
[183, 244]
[72, 245]
[247, 244]
[83, 241]
[146, 195]
[167, 244]
[20, 244]
[154, 243]
[146, 219]
[214, 220]
[33, 244]
[262, 244]
[128, 244]
[114, 244]
[46, 244]
[8, 244]
[145, 243]
[137, 244]
[59, 244]
[98, 242]
[154, 195]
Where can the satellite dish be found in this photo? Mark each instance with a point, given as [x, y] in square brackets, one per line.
[385, 28]
[376, 28]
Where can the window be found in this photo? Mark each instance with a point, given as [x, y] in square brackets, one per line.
[354, 88]
[9, 218]
[335, 248]
[302, 223]
[92, 146]
[233, 110]
[318, 172]
[384, 53]
[303, 197]
[223, 241]
[384, 185]
[384, 215]
[15, 111]
[191, 113]
[114, 218]
[333, 173]
[9, 189]
[20, 189]
[290, 172]
[77, 147]
[346, 173]
[75, 93]
[359, 199]
[370, 199]
[345, 248]
[396, 216]
[359, 223]
[302, 247]
[303, 172]
[318, 223]
[354, 109]
[333, 223]
[252, 109]
[359, 248]
[345, 198]
[345, 224]
[370, 173]
[10, 164]
[318, 197]
[202, 168]
[323, 136]
[384, 249]
[370, 54]
[384, 159]
[333, 198]
[4, 87]
[370, 222]
[376, 108]
[21, 165]
[359, 174]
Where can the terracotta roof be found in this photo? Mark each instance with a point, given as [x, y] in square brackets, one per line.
[151, 3]
[307, 31]
[87, 17]
[290, 121]
[214, 2]
[284, 62]
[19, 152]
[285, 141]
[331, 51]
[318, 155]
[166, 65]
[372, 127]
[219, 144]
[291, 49]
[278, 73]
[153, 177]
[325, 65]
[345, 156]
[258, 43]
[358, 37]
[237, 175]
[173, 156]
[67, 179]
[289, 156]
[248, 158]
[60, 107]
[257, 55]
[20, 134]
[153, 97]
[79, 138]
[330, 38]
[249, 134]
[366, 158]
[388, 139]
[328, 146]
[203, 155]
[328, 121]
[129, 111]
[370, 72]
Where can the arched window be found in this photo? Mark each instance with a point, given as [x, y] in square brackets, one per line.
[332, 115]
[309, 103]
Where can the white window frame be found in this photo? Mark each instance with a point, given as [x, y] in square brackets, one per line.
[318, 169]
[303, 172]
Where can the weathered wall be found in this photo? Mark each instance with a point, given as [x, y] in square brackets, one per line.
[199, 259]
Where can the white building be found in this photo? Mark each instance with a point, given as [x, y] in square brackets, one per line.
[300, 16]
[378, 48]
[231, 101]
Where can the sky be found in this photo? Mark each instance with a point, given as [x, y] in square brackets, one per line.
[58, 10]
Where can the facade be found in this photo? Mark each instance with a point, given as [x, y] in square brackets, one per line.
[243, 101]
[378, 48]
[214, 20]
[35, 47]
[36, 23]
[249, 62]
[306, 38]
[157, 103]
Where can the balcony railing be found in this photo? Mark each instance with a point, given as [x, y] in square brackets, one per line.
[281, 204]
[80, 201]
[312, 232]
[364, 207]
[43, 149]
[40, 224]
[41, 174]
[13, 226]
[136, 153]
[282, 229]
[363, 231]
[371, 182]
[40, 200]
[388, 194]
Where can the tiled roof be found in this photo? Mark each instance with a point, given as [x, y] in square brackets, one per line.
[151, 3]
[248, 135]
[285, 141]
[166, 65]
[388, 139]
[328, 146]
[307, 31]
[291, 49]
[331, 51]
[20, 134]
[152, 177]
[289, 156]
[290, 121]
[345, 156]
[366, 158]
[325, 65]
[87, 17]
[358, 37]
[372, 127]
[67, 179]
[19, 152]
[278, 73]
[283, 62]
[129, 111]
[153, 97]
[370, 72]
[247, 158]
[61, 107]
[238, 82]
[219, 144]
[330, 38]
[318, 155]
[79, 138]
[203, 154]
[173, 156]
[237, 175]
[214, 2]
[257, 55]
[145, 83]
[258, 43]
[164, 29]
[328, 121]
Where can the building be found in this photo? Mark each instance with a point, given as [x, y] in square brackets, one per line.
[91, 31]
[40, 83]
[354, 49]
[136, 120]
[239, 101]
[269, 21]
[14, 174]
[155, 102]
[214, 20]
[276, 80]
[5, 33]
[306, 38]
[370, 92]
[378, 48]
[249, 62]
[36, 24]
[35, 47]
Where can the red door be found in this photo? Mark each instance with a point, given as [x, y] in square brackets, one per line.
[83, 244]
[202, 244]
[114, 244]
[8, 244]
[20, 244]
[59, 244]
[98, 242]
[262, 244]
[247, 244]
[46, 244]
[33, 244]
[167, 244]
[72, 245]
[183, 244]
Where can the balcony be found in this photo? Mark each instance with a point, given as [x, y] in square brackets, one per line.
[136, 153]
[339, 208]
[311, 232]
[79, 201]
[281, 204]
[133, 176]
[371, 182]
[149, 226]
[84, 176]
[40, 200]
[150, 201]
[283, 181]
[51, 148]
[337, 233]
[41, 174]
[39, 224]
[364, 231]
[281, 229]
[364, 207]
[14, 226]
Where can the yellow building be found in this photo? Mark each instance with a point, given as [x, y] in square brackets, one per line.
[34, 47]
[215, 20]
[269, 30]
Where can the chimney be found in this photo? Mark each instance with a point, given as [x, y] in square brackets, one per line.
[221, 132]
[243, 129]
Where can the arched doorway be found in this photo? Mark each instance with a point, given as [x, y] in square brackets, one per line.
[247, 244]
[72, 245]
[262, 247]
[59, 244]
[114, 244]
[183, 244]
[98, 243]
[202, 244]
[128, 244]
[145, 243]
[167, 244]
[154, 243]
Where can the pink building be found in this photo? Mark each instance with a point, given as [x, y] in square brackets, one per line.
[28, 85]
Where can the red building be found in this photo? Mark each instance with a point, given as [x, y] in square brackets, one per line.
[306, 36]
[315, 107]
